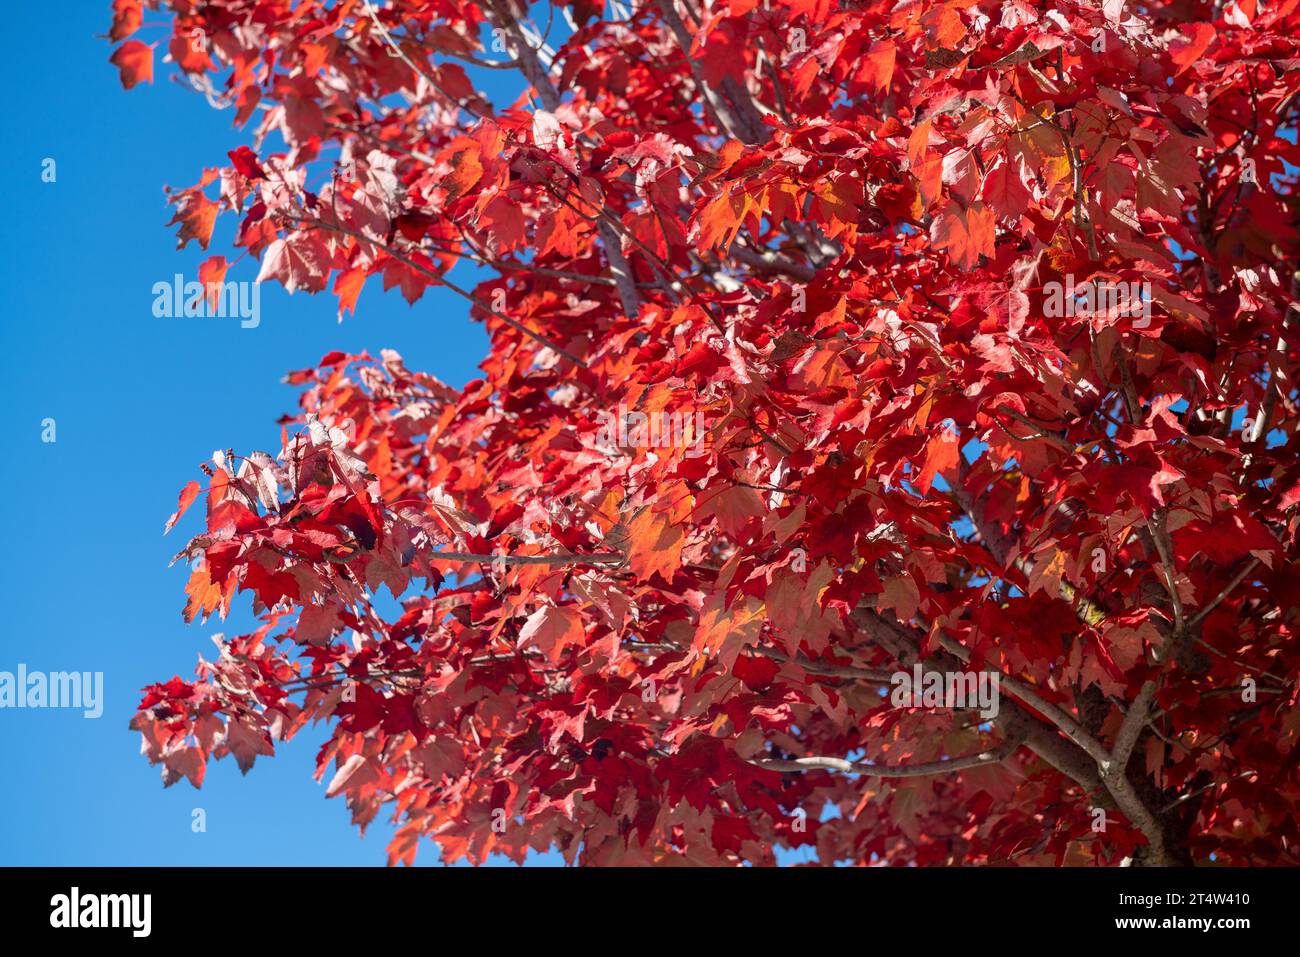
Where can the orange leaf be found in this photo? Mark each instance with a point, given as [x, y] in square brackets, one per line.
[654, 545]
[347, 286]
[205, 595]
[917, 143]
[1185, 53]
[929, 184]
[466, 170]
[134, 61]
[877, 67]
[356, 772]
[212, 274]
[188, 494]
[552, 628]
[719, 221]
[794, 608]
[197, 214]
[966, 234]
[217, 490]
[941, 455]
[724, 632]
[127, 16]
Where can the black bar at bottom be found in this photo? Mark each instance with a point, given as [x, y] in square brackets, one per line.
[433, 907]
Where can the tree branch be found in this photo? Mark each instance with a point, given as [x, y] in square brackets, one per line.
[721, 111]
[540, 79]
[590, 558]
[1114, 774]
[945, 766]
[441, 280]
[1237, 579]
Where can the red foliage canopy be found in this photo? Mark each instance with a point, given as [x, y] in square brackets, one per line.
[828, 341]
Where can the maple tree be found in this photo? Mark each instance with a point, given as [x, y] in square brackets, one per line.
[830, 231]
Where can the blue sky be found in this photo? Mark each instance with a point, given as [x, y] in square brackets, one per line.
[139, 401]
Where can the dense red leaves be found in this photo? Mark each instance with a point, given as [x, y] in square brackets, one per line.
[796, 377]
